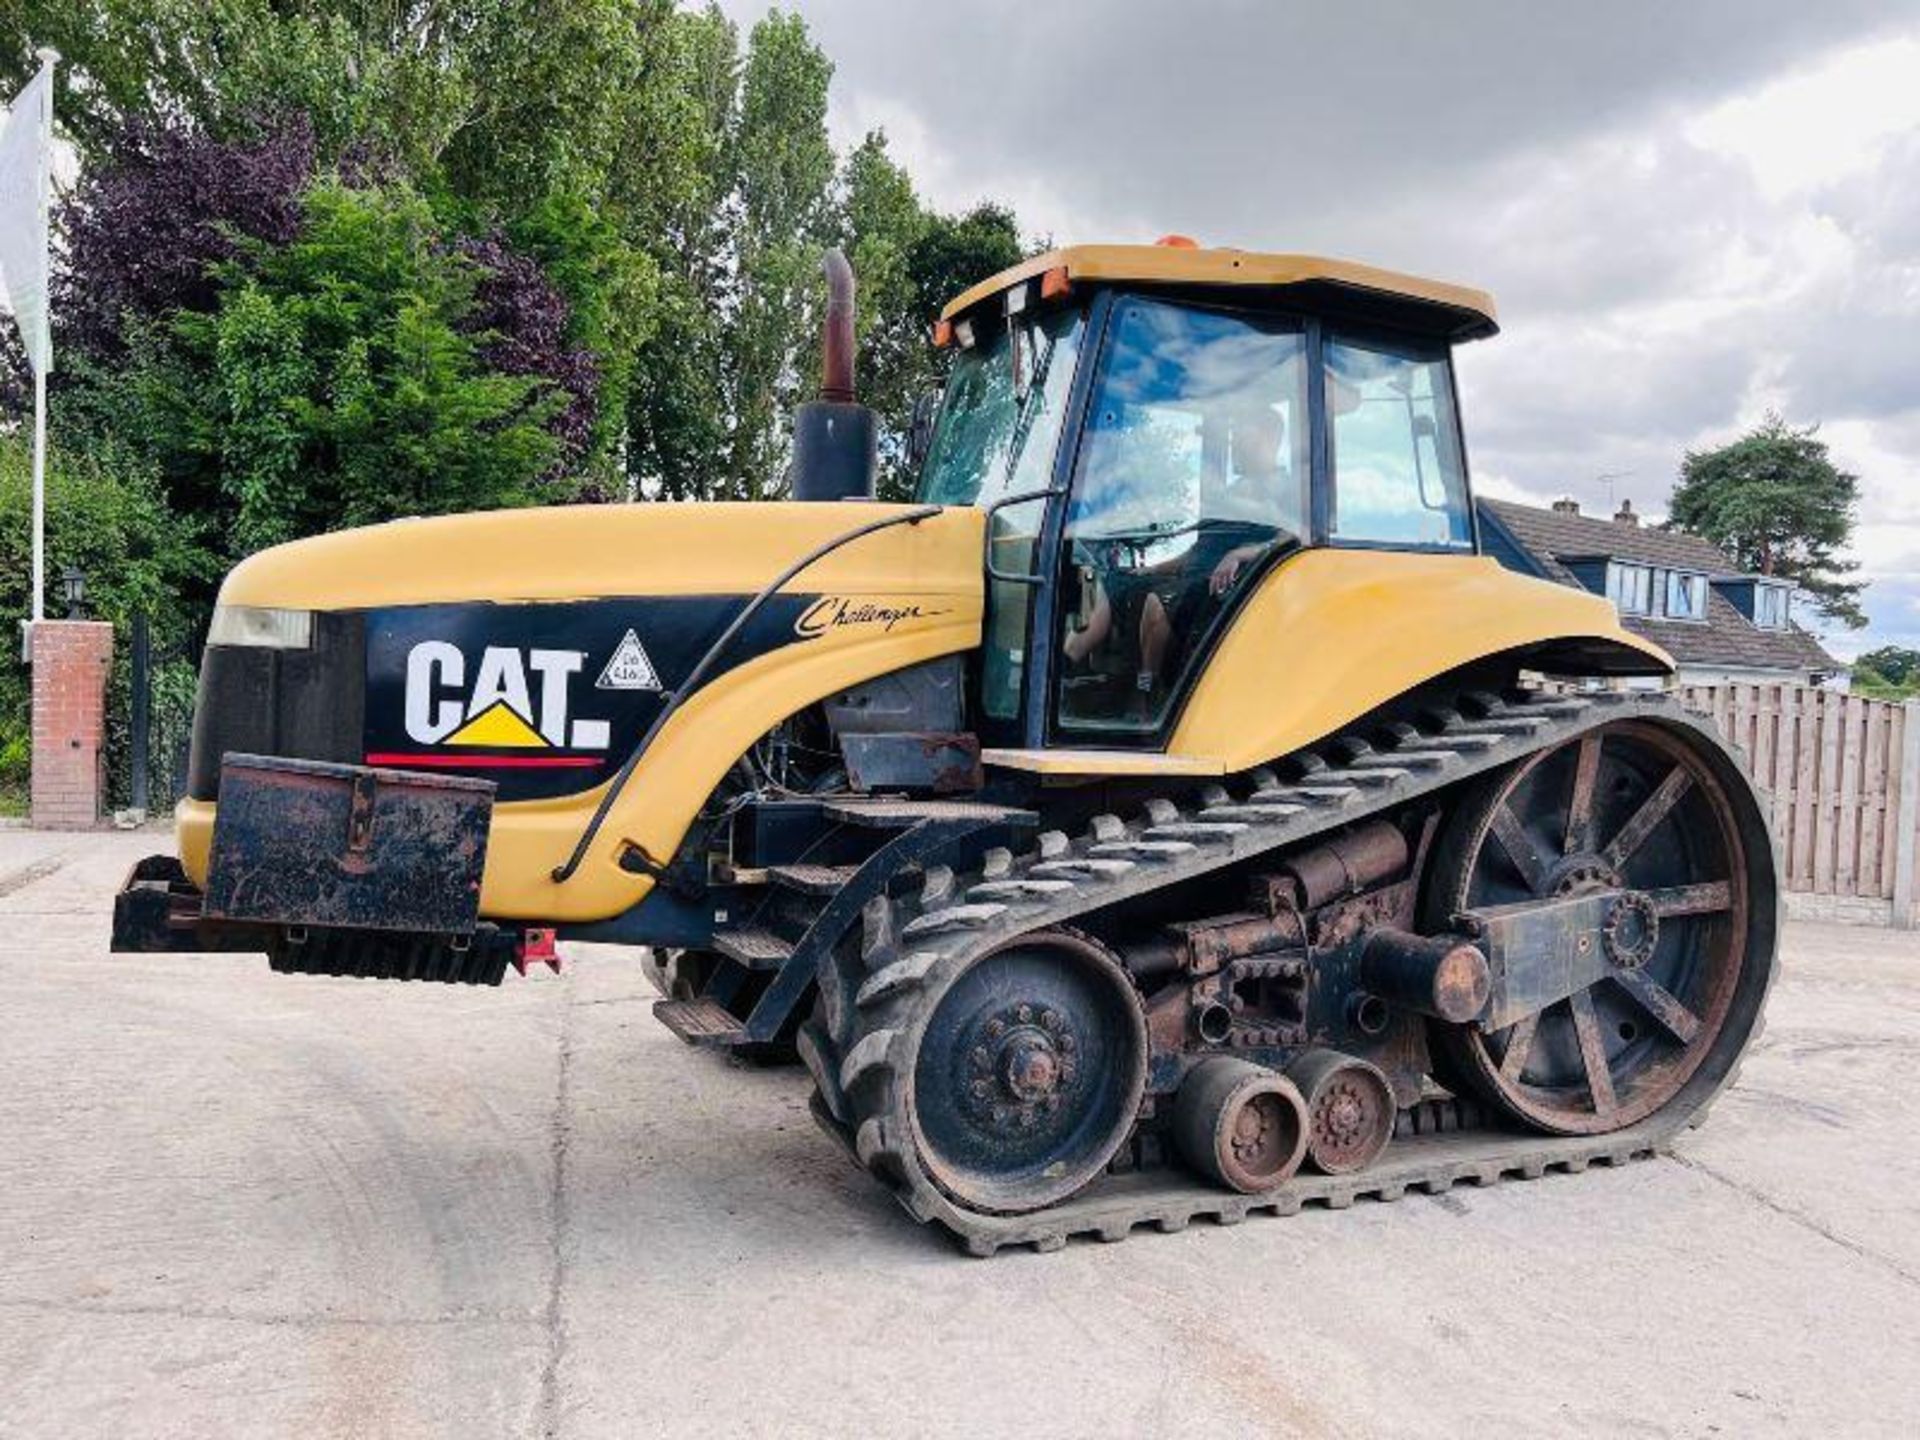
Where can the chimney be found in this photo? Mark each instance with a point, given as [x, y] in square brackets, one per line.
[1625, 515]
[1566, 505]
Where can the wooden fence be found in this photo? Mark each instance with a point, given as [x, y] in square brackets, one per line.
[1842, 774]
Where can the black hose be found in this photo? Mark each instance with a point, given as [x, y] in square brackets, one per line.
[564, 873]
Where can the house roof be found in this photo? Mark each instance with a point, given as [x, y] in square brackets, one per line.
[1580, 537]
[1553, 538]
[1729, 638]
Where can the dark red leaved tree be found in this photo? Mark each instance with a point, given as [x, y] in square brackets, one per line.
[144, 228]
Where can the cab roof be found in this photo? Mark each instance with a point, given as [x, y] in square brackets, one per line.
[1454, 311]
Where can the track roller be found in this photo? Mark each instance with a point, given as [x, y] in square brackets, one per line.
[1240, 1124]
[1350, 1110]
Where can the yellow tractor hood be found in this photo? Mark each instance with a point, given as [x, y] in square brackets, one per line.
[533, 648]
[590, 551]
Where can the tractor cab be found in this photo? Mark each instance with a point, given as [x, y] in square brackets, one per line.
[1153, 430]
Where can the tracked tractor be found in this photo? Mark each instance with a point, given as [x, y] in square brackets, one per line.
[1172, 812]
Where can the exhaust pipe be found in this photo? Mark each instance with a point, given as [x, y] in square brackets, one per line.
[836, 351]
[834, 437]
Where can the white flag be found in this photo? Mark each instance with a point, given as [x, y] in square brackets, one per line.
[26, 154]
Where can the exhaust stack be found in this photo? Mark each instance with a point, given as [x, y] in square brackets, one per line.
[836, 352]
[834, 437]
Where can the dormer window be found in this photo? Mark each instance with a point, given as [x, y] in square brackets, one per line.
[1772, 606]
[1656, 592]
[1686, 595]
[1630, 587]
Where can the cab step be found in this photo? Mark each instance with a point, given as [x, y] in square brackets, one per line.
[706, 1023]
[812, 879]
[755, 949]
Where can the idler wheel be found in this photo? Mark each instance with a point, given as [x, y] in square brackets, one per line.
[1028, 1074]
[1350, 1110]
[1240, 1124]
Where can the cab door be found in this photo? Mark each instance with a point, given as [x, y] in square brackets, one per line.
[1191, 481]
[997, 445]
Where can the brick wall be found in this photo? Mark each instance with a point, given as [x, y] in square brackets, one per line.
[70, 660]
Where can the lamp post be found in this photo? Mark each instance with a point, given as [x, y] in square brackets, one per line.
[75, 585]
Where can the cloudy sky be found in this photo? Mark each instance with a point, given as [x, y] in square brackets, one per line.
[1689, 212]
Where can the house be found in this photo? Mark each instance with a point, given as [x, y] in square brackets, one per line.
[1719, 622]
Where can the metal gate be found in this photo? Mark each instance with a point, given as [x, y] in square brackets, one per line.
[150, 718]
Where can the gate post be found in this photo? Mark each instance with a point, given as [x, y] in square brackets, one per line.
[1906, 843]
[70, 660]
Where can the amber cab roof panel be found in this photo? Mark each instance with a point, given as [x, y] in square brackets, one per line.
[1464, 313]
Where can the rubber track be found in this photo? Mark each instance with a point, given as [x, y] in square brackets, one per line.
[858, 1043]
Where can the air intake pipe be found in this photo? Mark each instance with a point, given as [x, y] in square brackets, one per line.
[834, 436]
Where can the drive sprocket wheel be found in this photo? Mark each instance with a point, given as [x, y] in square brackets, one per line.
[1650, 814]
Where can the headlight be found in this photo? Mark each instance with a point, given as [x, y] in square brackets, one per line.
[260, 626]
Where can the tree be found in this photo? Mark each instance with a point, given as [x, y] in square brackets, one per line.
[1891, 672]
[884, 224]
[187, 332]
[158, 211]
[674, 185]
[785, 194]
[523, 319]
[503, 96]
[612, 292]
[960, 250]
[744, 217]
[1775, 502]
[340, 380]
[681, 187]
[506, 114]
[399, 76]
[1893, 662]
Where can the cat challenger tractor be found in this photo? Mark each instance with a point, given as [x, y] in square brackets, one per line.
[1170, 813]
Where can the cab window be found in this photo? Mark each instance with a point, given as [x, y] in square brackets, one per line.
[1399, 477]
[1192, 477]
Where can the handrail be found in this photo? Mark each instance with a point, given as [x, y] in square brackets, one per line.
[565, 872]
[994, 572]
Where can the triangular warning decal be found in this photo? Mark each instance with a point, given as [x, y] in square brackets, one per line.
[629, 669]
[499, 726]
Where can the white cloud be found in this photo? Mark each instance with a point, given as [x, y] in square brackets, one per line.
[1808, 129]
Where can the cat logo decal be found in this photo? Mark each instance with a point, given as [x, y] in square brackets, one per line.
[512, 700]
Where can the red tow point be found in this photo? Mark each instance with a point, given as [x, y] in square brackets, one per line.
[537, 948]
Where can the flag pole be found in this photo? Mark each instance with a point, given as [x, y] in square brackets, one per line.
[39, 495]
[48, 59]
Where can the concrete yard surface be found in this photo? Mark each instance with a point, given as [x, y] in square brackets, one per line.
[233, 1203]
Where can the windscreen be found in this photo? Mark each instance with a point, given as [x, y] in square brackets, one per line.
[1000, 419]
